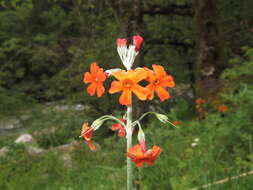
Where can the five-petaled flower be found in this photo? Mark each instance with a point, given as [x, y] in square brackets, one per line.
[136, 154]
[118, 127]
[87, 134]
[128, 83]
[96, 77]
[159, 80]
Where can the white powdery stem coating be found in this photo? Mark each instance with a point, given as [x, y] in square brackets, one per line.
[127, 55]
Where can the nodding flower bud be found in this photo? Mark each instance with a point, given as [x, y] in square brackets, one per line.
[137, 41]
[143, 145]
[121, 42]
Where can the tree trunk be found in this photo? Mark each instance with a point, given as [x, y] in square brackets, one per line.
[209, 55]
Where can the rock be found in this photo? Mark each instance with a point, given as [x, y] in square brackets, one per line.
[10, 123]
[46, 131]
[3, 151]
[194, 144]
[79, 107]
[68, 147]
[34, 151]
[25, 139]
[62, 108]
[25, 117]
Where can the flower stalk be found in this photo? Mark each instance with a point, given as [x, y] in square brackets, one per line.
[129, 131]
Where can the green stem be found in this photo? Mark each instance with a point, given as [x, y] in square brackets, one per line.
[129, 145]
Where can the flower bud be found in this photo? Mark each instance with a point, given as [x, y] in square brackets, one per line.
[163, 118]
[121, 42]
[137, 41]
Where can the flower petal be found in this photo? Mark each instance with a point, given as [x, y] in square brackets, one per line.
[137, 75]
[116, 86]
[120, 75]
[122, 132]
[159, 70]
[139, 163]
[91, 145]
[87, 78]
[140, 92]
[100, 89]
[101, 76]
[151, 89]
[94, 68]
[92, 88]
[150, 75]
[115, 127]
[162, 93]
[126, 97]
[167, 81]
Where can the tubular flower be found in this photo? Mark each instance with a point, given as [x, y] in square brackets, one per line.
[159, 80]
[139, 157]
[120, 128]
[128, 83]
[96, 77]
[87, 134]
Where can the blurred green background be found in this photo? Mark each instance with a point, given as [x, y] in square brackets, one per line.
[47, 45]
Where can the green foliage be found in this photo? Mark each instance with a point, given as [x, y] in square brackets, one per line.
[13, 103]
[242, 68]
[46, 46]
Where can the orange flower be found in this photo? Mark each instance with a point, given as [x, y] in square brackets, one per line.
[128, 83]
[120, 128]
[159, 80]
[87, 134]
[177, 122]
[96, 77]
[139, 157]
[200, 101]
[222, 108]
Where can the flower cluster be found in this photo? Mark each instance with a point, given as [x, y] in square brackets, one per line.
[129, 82]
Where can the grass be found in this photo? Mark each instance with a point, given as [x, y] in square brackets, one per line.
[224, 149]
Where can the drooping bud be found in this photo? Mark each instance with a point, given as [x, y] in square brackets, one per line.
[143, 146]
[163, 118]
[141, 139]
[121, 42]
[137, 41]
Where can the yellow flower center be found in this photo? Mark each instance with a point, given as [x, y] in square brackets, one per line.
[157, 81]
[96, 79]
[127, 83]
